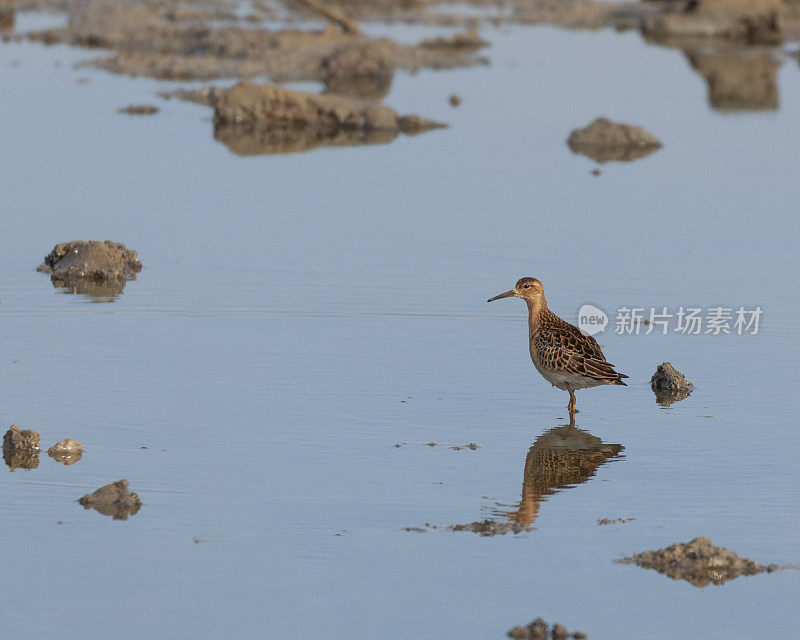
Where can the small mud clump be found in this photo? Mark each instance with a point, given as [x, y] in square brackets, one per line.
[605, 521]
[668, 378]
[114, 499]
[487, 528]
[21, 448]
[698, 562]
[604, 140]
[66, 451]
[455, 100]
[93, 268]
[472, 446]
[669, 385]
[423, 529]
[16, 438]
[538, 630]
[139, 109]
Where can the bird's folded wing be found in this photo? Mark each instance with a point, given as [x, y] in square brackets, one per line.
[566, 352]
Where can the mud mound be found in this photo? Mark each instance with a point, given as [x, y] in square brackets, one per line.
[66, 451]
[698, 562]
[93, 259]
[21, 448]
[114, 500]
[16, 438]
[604, 140]
[94, 268]
[254, 119]
[669, 385]
[271, 106]
[538, 630]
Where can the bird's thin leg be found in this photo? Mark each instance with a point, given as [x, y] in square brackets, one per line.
[571, 405]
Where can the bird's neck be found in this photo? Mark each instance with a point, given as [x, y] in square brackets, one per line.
[535, 310]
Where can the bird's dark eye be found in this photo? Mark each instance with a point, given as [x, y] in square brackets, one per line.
[526, 286]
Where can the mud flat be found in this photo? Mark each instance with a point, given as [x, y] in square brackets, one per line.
[732, 19]
[180, 41]
[669, 385]
[115, 500]
[210, 40]
[698, 562]
[176, 41]
[93, 268]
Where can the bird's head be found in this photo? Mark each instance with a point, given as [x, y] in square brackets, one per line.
[529, 289]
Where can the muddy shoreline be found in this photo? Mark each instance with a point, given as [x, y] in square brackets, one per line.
[736, 47]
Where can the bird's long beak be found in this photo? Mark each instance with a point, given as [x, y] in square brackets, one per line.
[507, 294]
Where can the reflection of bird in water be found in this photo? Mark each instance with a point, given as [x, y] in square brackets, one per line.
[564, 356]
[560, 458]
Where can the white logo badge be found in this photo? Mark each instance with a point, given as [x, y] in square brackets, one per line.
[591, 320]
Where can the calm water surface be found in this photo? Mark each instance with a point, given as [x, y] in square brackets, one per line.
[289, 305]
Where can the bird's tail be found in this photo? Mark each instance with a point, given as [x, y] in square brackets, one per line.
[619, 379]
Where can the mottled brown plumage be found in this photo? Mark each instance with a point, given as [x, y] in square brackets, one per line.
[564, 356]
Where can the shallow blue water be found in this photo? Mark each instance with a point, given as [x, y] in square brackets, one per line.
[289, 304]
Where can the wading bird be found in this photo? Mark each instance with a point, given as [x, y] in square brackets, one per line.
[564, 356]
